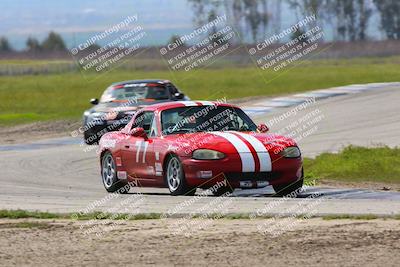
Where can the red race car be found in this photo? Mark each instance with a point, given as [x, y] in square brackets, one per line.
[189, 144]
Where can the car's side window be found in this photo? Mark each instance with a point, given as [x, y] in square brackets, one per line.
[153, 128]
[138, 120]
[145, 121]
[172, 90]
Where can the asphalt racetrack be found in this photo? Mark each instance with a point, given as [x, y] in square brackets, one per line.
[60, 175]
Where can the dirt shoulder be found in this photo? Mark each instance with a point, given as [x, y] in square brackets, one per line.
[364, 185]
[26, 133]
[310, 242]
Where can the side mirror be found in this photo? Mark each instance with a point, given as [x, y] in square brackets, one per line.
[179, 95]
[94, 101]
[138, 132]
[262, 128]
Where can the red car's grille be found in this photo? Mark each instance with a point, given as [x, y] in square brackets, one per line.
[259, 176]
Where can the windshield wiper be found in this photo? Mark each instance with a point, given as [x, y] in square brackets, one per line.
[182, 130]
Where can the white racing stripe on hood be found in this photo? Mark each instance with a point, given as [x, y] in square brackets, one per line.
[248, 164]
[262, 152]
[188, 103]
[206, 103]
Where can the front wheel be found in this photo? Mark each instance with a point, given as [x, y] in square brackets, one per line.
[90, 139]
[222, 191]
[109, 176]
[175, 178]
[288, 189]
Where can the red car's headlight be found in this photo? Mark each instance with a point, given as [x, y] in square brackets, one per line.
[291, 152]
[207, 154]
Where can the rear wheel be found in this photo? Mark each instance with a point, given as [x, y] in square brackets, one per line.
[109, 176]
[175, 178]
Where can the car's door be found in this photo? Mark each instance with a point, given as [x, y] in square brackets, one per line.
[156, 148]
[135, 150]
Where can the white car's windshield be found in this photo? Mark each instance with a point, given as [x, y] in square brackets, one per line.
[135, 92]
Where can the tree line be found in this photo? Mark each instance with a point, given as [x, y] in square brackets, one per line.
[53, 42]
[349, 19]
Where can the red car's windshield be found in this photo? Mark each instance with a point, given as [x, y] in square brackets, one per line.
[205, 119]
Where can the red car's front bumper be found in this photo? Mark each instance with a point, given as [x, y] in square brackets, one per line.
[205, 173]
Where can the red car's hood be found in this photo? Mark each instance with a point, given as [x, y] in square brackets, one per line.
[230, 142]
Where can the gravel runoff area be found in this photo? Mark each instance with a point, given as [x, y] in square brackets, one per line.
[312, 242]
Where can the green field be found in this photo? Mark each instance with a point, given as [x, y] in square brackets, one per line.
[356, 164]
[28, 98]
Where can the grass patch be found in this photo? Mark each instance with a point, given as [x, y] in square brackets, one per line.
[12, 119]
[351, 217]
[97, 215]
[28, 225]
[20, 214]
[117, 216]
[356, 164]
[30, 98]
[32, 62]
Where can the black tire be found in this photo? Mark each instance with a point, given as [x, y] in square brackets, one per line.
[287, 189]
[90, 139]
[109, 176]
[175, 178]
[222, 190]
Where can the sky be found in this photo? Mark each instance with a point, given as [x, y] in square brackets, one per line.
[76, 20]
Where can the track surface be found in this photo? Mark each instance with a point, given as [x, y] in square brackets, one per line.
[59, 176]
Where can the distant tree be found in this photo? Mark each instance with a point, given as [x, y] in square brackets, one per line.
[206, 11]
[32, 44]
[176, 39]
[346, 19]
[93, 47]
[297, 34]
[53, 42]
[5, 45]
[254, 17]
[390, 17]
[202, 10]
[304, 8]
[351, 18]
[212, 16]
[250, 18]
[276, 16]
[364, 13]
[237, 11]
